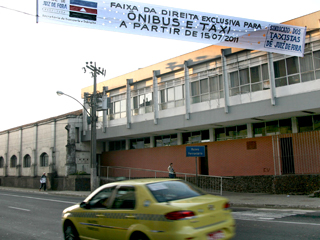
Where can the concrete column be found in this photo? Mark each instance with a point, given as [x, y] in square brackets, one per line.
[54, 144]
[129, 82]
[152, 142]
[5, 167]
[106, 146]
[294, 124]
[225, 78]
[179, 138]
[187, 90]
[127, 144]
[250, 130]
[20, 148]
[35, 150]
[212, 135]
[104, 112]
[7, 162]
[155, 97]
[272, 79]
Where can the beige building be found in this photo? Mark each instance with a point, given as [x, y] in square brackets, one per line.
[52, 145]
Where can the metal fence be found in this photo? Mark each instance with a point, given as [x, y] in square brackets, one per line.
[211, 184]
[297, 153]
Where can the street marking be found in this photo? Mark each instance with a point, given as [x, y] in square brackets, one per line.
[22, 209]
[299, 223]
[272, 215]
[286, 210]
[42, 199]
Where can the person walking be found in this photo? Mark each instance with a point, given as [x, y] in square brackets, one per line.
[43, 182]
[171, 171]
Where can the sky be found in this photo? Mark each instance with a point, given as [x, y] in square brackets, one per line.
[38, 59]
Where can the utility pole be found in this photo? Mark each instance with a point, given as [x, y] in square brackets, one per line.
[94, 179]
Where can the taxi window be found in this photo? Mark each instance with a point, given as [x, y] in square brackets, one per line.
[125, 198]
[173, 190]
[101, 198]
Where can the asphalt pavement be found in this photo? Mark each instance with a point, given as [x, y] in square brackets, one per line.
[256, 200]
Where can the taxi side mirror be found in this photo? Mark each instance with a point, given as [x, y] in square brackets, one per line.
[84, 205]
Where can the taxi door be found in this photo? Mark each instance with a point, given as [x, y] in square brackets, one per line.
[94, 221]
[121, 212]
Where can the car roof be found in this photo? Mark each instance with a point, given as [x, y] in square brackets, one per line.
[142, 181]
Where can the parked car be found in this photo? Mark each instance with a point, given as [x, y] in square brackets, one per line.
[149, 209]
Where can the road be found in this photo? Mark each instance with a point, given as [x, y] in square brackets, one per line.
[276, 224]
[33, 216]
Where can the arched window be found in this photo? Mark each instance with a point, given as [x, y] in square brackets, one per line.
[27, 161]
[1, 162]
[44, 160]
[13, 161]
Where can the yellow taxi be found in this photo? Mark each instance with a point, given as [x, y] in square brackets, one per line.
[149, 209]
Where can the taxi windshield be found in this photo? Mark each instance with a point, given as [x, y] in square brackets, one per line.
[173, 190]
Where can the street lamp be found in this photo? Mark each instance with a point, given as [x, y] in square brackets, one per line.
[94, 180]
[59, 93]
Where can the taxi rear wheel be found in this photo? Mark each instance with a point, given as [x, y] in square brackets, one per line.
[70, 233]
[139, 236]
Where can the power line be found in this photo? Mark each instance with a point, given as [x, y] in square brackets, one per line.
[15, 10]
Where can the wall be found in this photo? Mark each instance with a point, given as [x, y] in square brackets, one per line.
[27, 148]
[243, 157]
[60, 152]
[225, 158]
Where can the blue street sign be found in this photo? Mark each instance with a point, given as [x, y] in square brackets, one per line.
[195, 151]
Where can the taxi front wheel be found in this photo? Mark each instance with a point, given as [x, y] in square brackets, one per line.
[70, 233]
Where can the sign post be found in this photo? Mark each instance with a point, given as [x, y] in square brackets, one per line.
[196, 151]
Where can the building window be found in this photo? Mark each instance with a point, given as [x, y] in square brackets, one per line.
[13, 161]
[44, 160]
[196, 137]
[118, 107]
[142, 101]
[316, 60]
[233, 132]
[206, 85]
[1, 162]
[166, 140]
[77, 135]
[249, 79]
[27, 161]
[171, 93]
[117, 145]
[216, 87]
[309, 123]
[275, 127]
[140, 143]
[306, 66]
[288, 71]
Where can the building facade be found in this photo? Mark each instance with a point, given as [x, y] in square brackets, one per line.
[257, 113]
[52, 145]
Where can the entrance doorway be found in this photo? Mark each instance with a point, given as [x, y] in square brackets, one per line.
[287, 158]
[204, 169]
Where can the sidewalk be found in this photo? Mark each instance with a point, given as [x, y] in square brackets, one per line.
[264, 200]
[260, 200]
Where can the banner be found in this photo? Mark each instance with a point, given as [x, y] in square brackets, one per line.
[165, 22]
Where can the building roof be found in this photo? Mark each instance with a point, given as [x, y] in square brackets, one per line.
[66, 115]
